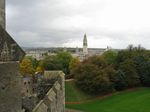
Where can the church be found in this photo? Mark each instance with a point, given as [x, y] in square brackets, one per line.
[84, 53]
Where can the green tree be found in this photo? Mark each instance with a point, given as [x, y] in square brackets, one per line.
[130, 73]
[64, 59]
[58, 62]
[52, 63]
[110, 56]
[94, 76]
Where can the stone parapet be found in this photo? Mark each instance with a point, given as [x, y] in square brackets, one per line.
[54, 100]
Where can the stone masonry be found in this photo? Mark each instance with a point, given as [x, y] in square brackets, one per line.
[10, 79]
[54, 100]
[2, 13]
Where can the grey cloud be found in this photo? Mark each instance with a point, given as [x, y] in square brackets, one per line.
[33, 25]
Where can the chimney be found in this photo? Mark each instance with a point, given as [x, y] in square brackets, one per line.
[2, 13]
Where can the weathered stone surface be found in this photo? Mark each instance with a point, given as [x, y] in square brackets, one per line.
[10, 86]
[9, 49]
[2, 13]
[54, 100]
[41, 107]
[29, 103]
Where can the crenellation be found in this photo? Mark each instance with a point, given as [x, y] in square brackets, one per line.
[55, 98]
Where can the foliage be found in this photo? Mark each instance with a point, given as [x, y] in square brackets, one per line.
[110, 56]
[26, 67]
[126, 69]
[40, 69]
[33, 61]
[73, 65]
[94, 76]
[59, 62]
[130, 73]
[51, 63]
[140, 63]
[64, 58]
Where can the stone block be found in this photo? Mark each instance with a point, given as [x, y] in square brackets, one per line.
[10, 87]
[9, 49]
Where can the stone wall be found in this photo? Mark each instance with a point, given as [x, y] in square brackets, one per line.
[2, 13]
[10, 86]
[10, 79]
[9, 49]
[54, 100]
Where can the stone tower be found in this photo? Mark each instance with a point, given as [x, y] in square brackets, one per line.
[2, 13]
[85, 46]
[10, 78]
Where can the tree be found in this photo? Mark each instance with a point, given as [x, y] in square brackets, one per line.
[142, 66]
[120, 80]
[73, 65]
[52, 63]
[110, 56]
[40, 69]
[140, 59]
[64, 59]
[59, 62]
[26, 67]
[33, 61]
[130, 73]
[94, 76]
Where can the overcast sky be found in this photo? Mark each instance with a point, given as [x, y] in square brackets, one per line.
[52, 23]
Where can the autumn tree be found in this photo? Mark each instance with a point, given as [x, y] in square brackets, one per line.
[26, 67]
[73, 65]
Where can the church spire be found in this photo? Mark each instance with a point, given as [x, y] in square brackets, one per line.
[85, 40]
[85, 45]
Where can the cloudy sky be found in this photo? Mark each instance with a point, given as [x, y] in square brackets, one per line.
[47, 23]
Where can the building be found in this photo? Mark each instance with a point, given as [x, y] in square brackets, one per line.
[85, 46]
[37, 54]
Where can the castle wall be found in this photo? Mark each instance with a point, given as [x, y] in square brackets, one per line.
[10, 78]
[54, 100]
[10, 86]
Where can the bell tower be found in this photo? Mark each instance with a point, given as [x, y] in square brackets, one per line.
[2, 13]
